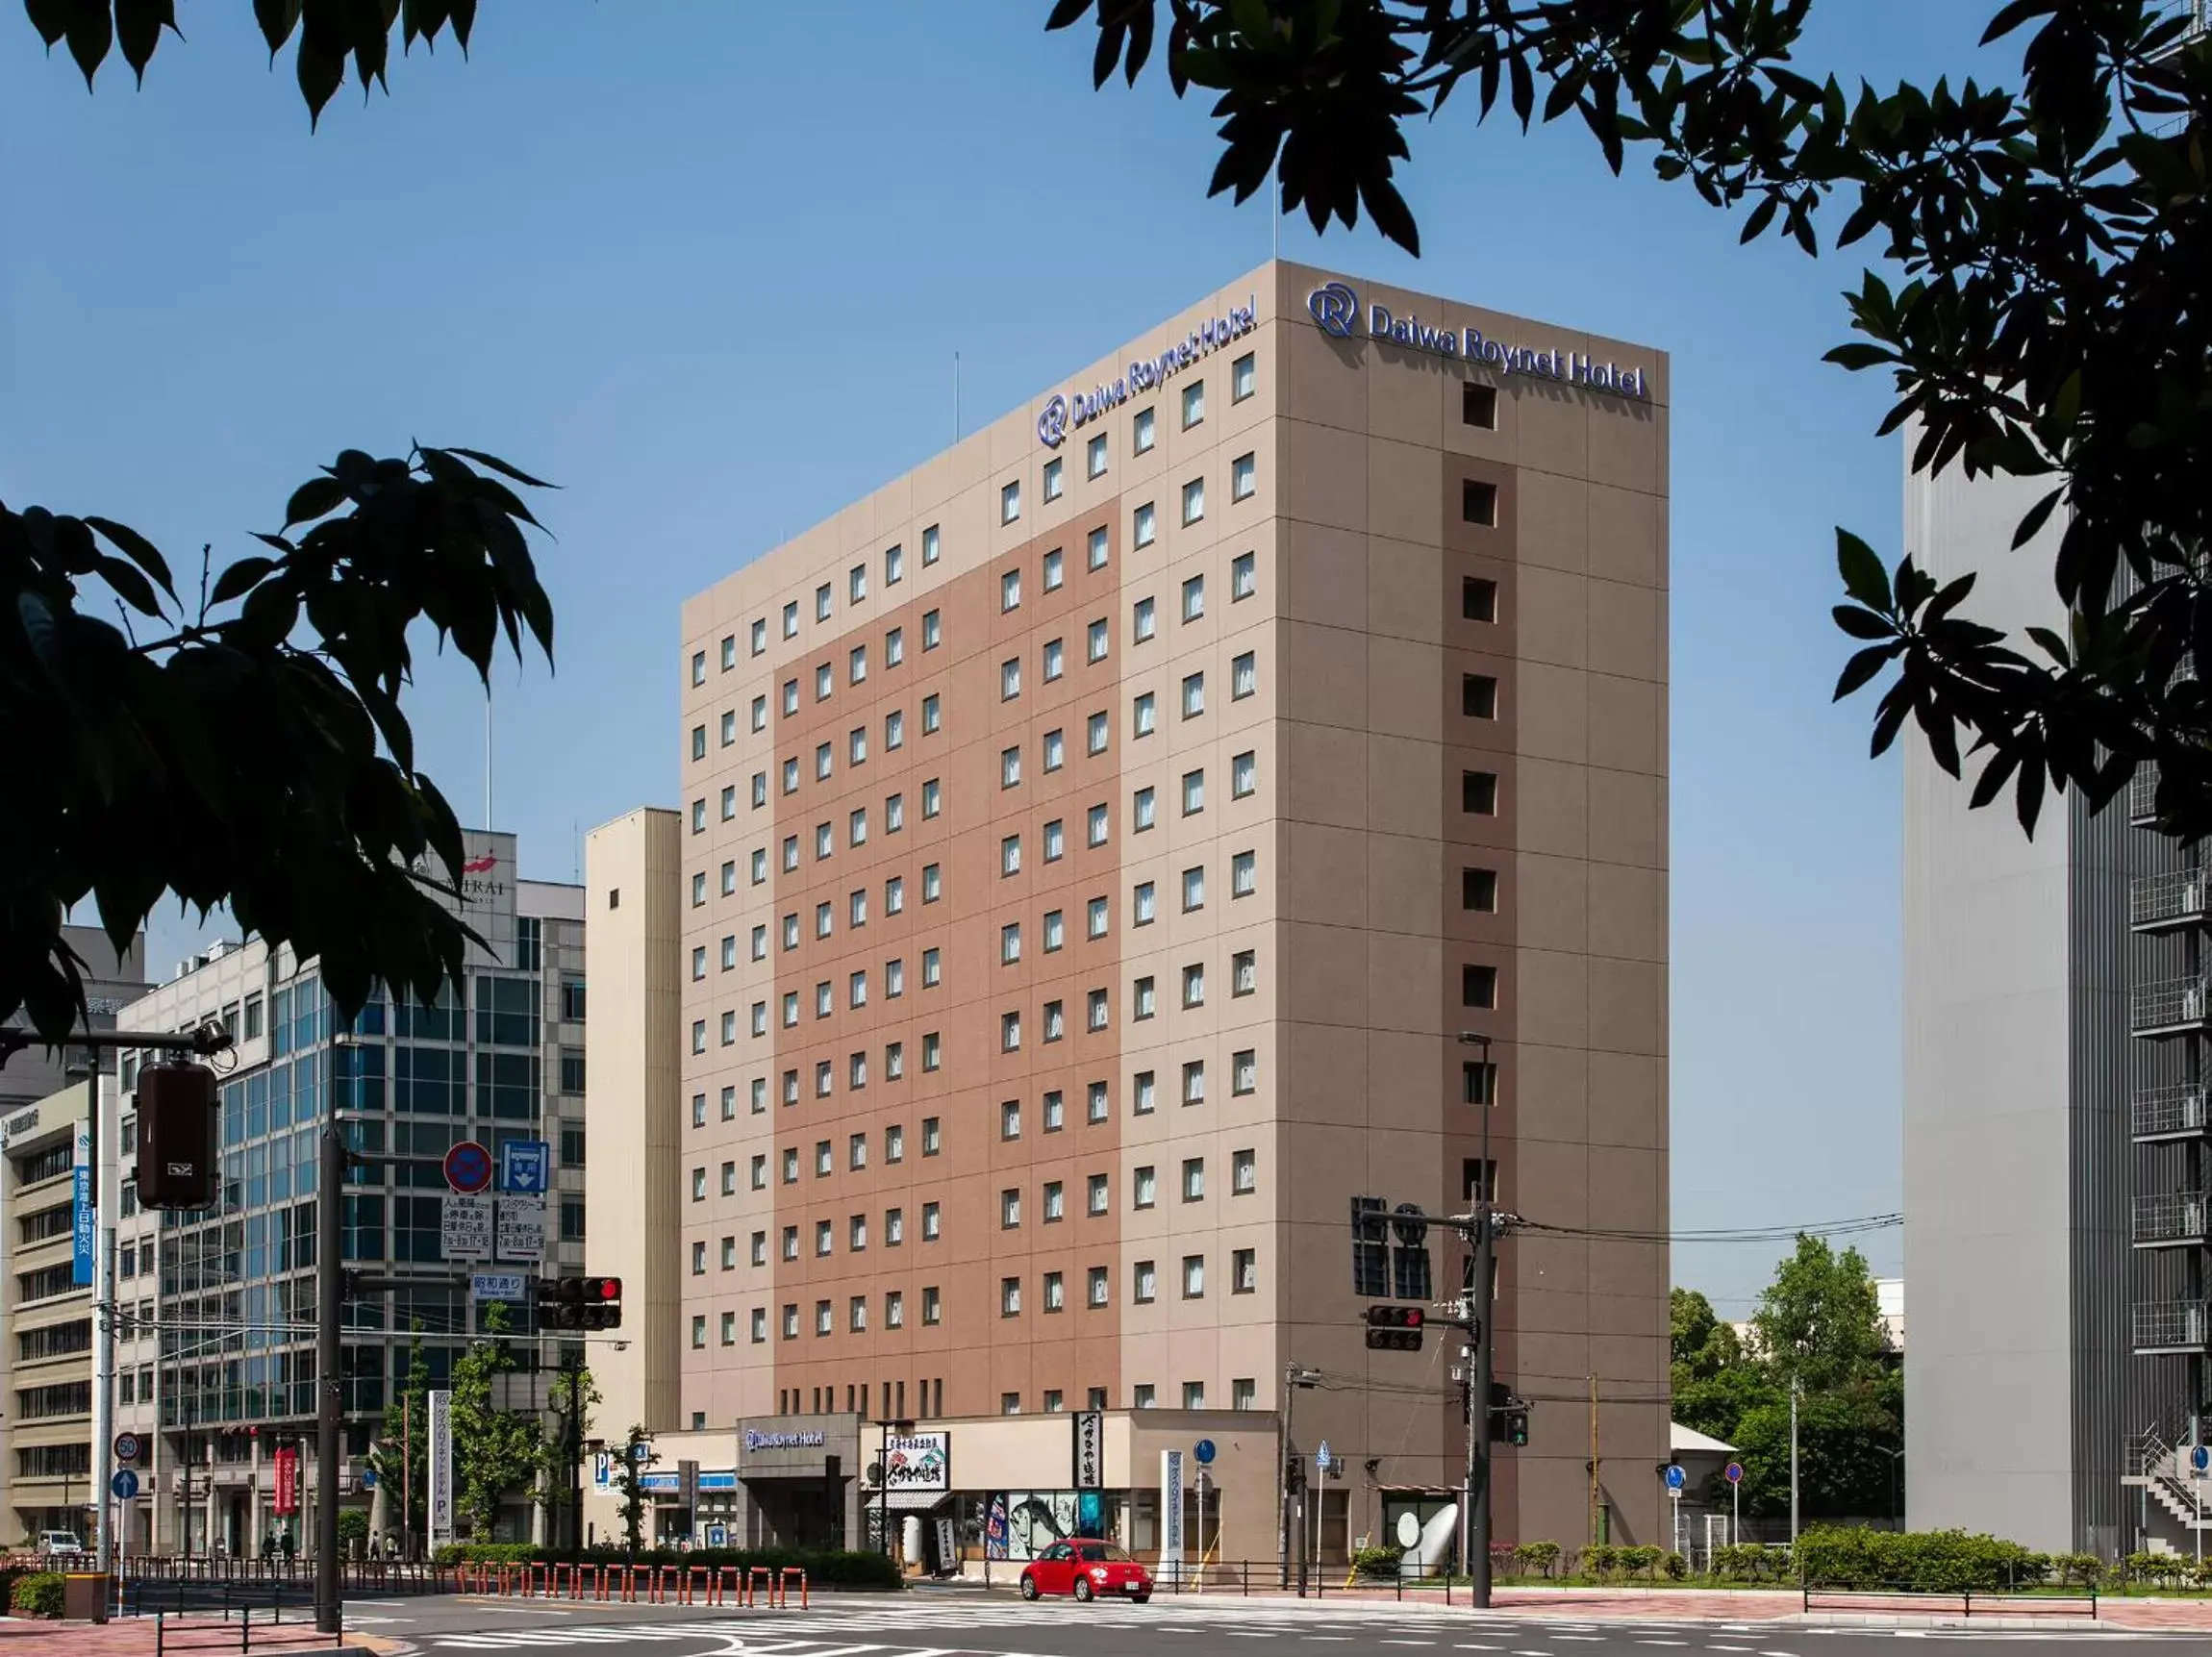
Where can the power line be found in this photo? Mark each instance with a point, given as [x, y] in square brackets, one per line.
[1768, 1234]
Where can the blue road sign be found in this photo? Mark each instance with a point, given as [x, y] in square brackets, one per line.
[1203, 1449]
[1675, 1477]
[469, 1167]
[1323, 1458]
[509, 1286]
[125, 1483]
[525, 1168]
[2201, 1458]
[1733, 1473]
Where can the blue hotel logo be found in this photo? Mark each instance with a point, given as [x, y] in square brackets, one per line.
[1336, 311]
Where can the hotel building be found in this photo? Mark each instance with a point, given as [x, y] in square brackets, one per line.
[1091, 847]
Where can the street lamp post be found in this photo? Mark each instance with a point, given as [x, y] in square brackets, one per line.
[329, 1351]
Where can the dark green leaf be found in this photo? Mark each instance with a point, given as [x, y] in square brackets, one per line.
[317, 497]
[1863, 577]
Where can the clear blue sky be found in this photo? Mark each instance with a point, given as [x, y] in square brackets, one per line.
[707, 264]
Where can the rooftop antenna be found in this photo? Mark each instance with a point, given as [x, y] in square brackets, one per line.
[956, 396]
[487, 755]
[1275, 207]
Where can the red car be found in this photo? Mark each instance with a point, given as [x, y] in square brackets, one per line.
[1087, 1568]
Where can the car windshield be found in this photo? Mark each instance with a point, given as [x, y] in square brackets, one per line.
[1104, 1550]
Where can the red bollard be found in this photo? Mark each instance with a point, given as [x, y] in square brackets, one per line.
[790, 1572]
[758, 1575]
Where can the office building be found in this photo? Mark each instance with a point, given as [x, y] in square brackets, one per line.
[215, 1363]
[1091, 848]
[47, 1315]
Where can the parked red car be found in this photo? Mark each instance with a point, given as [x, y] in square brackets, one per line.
[1087, 1568]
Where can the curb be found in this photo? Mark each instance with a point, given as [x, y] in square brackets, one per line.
[1881, 1620]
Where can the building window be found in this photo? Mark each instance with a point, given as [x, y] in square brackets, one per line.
[1194, 985]
[825, 682]
[932, 631]
[1145, 1094]
[759, 1172]
[1478, 986]
[1479, 793]
[1010, 855]
[1097, 824]
[1145, 1290]
[1194, 403]
[1478, 890]
[932, 883]
[932, 1307]
[1143, 715]
[1055, 1020]
[1010, 1305]
[1193, 1284]
[1143, 1002]
[1055, 660]
[1144, 526]
[1147, 1189]
[1193, 889]
[822, 1317]
[1243, 676]
[932, 1051]
[1055, 750]
[822, 602]
[1194, 1082]
[1010, 679]
[932, 799]
[1141, 432]
[1010, 1032]
[1194, 500]
[1478, 599]
[895, 647]
[1095, 918]
[760, 1324]
[1243, 774]
[1094, 1010]
[759, 637]
[1478, 405]
[856, 664]
[698, 1110]
[1244, 1071]
[1097, 733]
[929, 545]
[1243, 874]
[1009, 1210]
[1243, 477]
[1055, 561]
[1095, 641]
[698, 1332]
[930, 715]
[1244, 1174]
[1194, 792]
[760, 790]
[1010, 944]
[1094, 457]
[856, 584]
[1195, 1179]
[1010, 502]
[1478, 695]
[1194, 695]
[1010, 768]
[893, 1309]
[932, 1222]
[1055, 840]
[1479, 502]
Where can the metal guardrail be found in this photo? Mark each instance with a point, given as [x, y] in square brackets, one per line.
[2177, 898]
[2169, 1326]
[2184, 1217]
[2058, 1602]
[2176, 1109]
[2169, 1004]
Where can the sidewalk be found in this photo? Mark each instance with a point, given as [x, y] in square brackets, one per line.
[134, 1637]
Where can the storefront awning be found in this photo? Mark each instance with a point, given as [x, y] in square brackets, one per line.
[917, 1501]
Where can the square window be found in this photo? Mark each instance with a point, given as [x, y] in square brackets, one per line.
[1244, 1071]
[1194, 792]
[1478, 890]
[1243, 576]
[1478, 986]
[1194, 695]
[1055, 660]
[1145, 525]
[1055, 567]
[1479, 502]
[1478, 599]
[1096, 643]
[1479, 793]
[1097, 732]
[1478, 405]
[1243, 676]
[932, 630]
[929, 545]
[1010, 502]
[1094, 457]
[1142, 432]
[1243, 477]
[1194, 500]
[1193, 889]
[1478, 695]
[1243, 377]
[1243, 774]
[1243, 874]
[1055, 750]
[1052, 478]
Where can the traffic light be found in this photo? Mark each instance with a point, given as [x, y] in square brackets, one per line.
[1394, 1328]
[1294, 1473]
[180, 1165]
[578, 1303]
[1508, 1415]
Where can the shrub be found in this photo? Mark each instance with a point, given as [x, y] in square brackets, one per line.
[1675, 1566]
[1641, 1561]
[1748, 1562]
[36, 1594]
[2083, 1568]
[1599, 1561]
[1927, 1561]
[1376, 1564]
[352, 1530]
[1535, 1558]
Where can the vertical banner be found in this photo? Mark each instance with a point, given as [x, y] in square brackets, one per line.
[1172, 1514]
[81, 1200]
[285, 1470]
[441, 1468]
[1090, 1449]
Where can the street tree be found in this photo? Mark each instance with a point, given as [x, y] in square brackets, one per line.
[401, 1455]
[2042, 306]
[629, 1476]
[571, 1397]
[495, 1451]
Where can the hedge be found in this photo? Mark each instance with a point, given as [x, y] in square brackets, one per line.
[36, 1594]
[825, 1568]
[1926, 1562]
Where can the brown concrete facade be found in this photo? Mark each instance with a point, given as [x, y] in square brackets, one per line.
[1217, 699]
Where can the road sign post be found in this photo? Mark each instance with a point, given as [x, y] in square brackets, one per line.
[2200, 1462]
[1733, 1473]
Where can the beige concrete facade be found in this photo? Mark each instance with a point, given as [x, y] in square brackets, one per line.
[1075, 861]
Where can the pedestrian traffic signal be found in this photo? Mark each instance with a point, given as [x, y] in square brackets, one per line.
[1394, 1328]
[578, 1303]
[179, 1161]
[1508, 1415]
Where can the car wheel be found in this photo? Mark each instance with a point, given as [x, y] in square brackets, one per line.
[1028, 1586]
[1083, 1590]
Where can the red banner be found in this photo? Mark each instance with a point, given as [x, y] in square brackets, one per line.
[287, 1480]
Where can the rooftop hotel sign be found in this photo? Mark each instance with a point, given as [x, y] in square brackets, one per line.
[1064, 411]
[1337, 312]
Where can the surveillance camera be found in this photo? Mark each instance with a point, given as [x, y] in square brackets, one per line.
[621, 1345]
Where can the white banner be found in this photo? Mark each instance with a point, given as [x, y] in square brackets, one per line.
[1172, 1514]
[521, 1228]
[466, 1232]
[922, 1462]
[441, 1468]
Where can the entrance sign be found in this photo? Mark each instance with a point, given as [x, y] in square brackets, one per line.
[1172, 1514]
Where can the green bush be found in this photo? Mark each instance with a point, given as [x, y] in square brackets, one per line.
[1926, 1562]
[1748, 1562]
[2081, 1570]
[1599, 1561]
[825, 1568]
[1675, 1566]
[1641, 1561]
[352, 1530]
[36, 1594]
[1535, 1558]
[1376, 1564]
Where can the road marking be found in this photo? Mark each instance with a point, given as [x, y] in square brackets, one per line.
[1662, 1642]
[1713, 1648]
[1405, 1642]
[1590, 1639]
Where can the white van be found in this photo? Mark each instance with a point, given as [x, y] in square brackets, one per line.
[58, 1542]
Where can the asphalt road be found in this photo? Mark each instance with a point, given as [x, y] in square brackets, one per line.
[960, 1625]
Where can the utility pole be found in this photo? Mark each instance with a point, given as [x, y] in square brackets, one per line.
[1595, 1495]
[329, 1361]
[1294, 1378]
[1479, 1309]
[1794, 1390]
[107, 1125]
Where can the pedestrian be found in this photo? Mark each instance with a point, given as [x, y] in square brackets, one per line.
[288, 1547]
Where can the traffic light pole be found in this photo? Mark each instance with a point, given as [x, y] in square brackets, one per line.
[329, 1361]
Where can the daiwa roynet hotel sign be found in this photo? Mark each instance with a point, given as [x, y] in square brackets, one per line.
[1062, 411]
[1337, 312]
